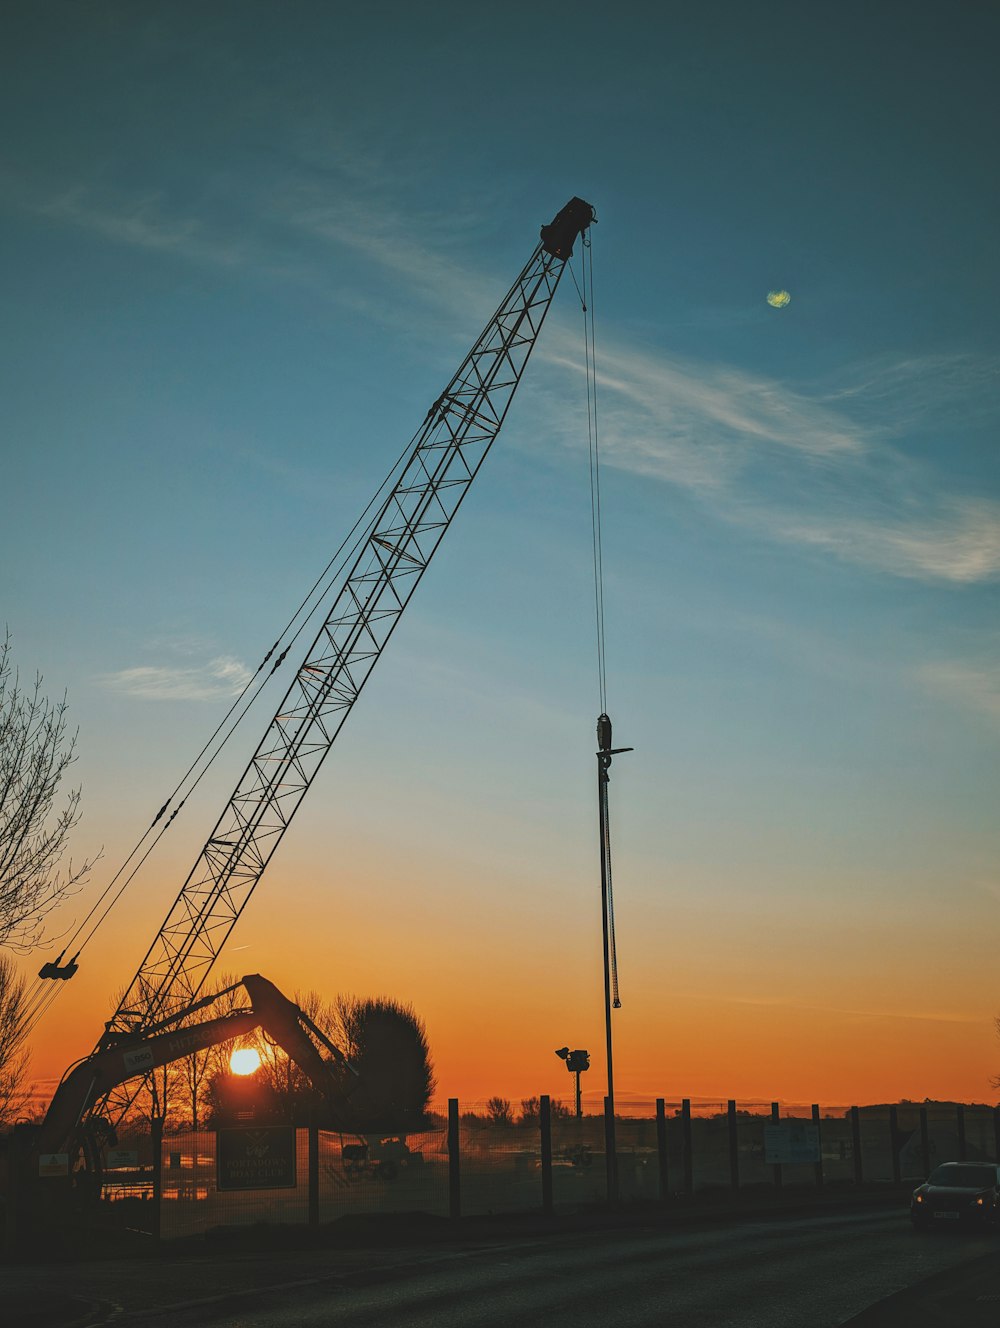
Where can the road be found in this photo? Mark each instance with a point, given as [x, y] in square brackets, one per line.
[814, 1272]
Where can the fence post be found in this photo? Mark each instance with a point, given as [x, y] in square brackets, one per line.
[313, 1171]
[775, 1120]
[819, 1143]
[996, 1132]
[894, 1141]
[687, 1156]
[734, 1145]
[661, 1148]
[545, 1127]
[960, 1124]
[611, 1156]
[859, 1170]
[925, 1141]
[454, 1175]
[156, 1138]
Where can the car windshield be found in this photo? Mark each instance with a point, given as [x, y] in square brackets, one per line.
[968, 1177]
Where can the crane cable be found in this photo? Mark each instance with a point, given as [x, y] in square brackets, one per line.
[593, 447]
[40, 996]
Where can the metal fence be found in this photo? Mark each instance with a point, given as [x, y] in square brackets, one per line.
[185, 1183]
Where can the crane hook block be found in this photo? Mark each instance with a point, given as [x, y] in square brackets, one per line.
[604, 733]
[61, 973]
[559, 236]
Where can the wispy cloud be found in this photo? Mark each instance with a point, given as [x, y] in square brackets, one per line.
[216, 679]
[811, 467]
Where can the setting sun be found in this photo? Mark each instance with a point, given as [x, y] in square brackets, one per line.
[244, 1060]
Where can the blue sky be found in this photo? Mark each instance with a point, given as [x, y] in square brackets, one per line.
[244, 246]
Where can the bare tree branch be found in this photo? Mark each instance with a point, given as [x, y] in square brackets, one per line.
[13, 1055]
[35, 751]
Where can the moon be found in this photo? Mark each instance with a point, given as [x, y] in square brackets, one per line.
[777, 299]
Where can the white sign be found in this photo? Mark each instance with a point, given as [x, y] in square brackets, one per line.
[122, 1157]
[53, 1164]
[791, 1142]
[140, 1059]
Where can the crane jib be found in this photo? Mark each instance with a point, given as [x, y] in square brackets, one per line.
[402, 538]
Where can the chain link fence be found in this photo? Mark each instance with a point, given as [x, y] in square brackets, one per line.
[481, 1160]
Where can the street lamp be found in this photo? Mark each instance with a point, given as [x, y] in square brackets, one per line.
[576, 1062]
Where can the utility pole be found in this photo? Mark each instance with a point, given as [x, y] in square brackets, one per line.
[604, 754]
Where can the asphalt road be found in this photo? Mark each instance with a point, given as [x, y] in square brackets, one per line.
[814, 1272]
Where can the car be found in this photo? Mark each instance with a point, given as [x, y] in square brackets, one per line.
[957, 1194]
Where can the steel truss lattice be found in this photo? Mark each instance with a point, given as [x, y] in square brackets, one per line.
[451, 446]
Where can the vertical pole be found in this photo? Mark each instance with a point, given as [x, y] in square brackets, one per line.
[604, 755]
[609, 1104]
[609, 1150]
[661, 1148]
[734, 1145]
[894, 1141]
[579, 1101]
[545, 1127]
[925, 1139]
[859, 1168]
[156, 1138]
[775, 1119]
[313, 1171]
[687, 1157]
[454, 1175]
[960, 1126]
[819, 1142]
[996, 1133]
[22, 1188]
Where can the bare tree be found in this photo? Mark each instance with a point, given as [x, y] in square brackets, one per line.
[35, 750]
[13, 1056]
[199, 1067]
[499, 1111]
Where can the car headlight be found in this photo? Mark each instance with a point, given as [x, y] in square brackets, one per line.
[918, 1198]
[981, 1201]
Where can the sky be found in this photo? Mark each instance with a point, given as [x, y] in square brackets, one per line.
[245, 245]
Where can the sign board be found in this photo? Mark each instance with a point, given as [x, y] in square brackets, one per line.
[140, 1059]
[791, 1142]
[122, 1157]
[257, 1159]
[53, 1164]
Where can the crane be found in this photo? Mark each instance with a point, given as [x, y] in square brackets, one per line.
[447, 452]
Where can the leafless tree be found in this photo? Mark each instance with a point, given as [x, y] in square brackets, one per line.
[499, 1111]
[199, 1067]
[35, 751]
[13, 1055]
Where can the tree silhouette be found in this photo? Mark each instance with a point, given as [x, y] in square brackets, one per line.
[13, 1057]
[386, 1045]
[35, 751]
[499, 1111]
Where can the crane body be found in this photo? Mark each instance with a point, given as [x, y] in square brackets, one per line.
[400, 540]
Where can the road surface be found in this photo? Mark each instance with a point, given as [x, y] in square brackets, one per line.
[810, 1272]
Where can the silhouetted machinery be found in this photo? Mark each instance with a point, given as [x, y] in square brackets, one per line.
[153, 1022]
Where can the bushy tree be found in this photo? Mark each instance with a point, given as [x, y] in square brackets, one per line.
[35, 751]
[386, 1045]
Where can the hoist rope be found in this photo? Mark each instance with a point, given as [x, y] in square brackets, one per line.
[593, 446]
[41, 994]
